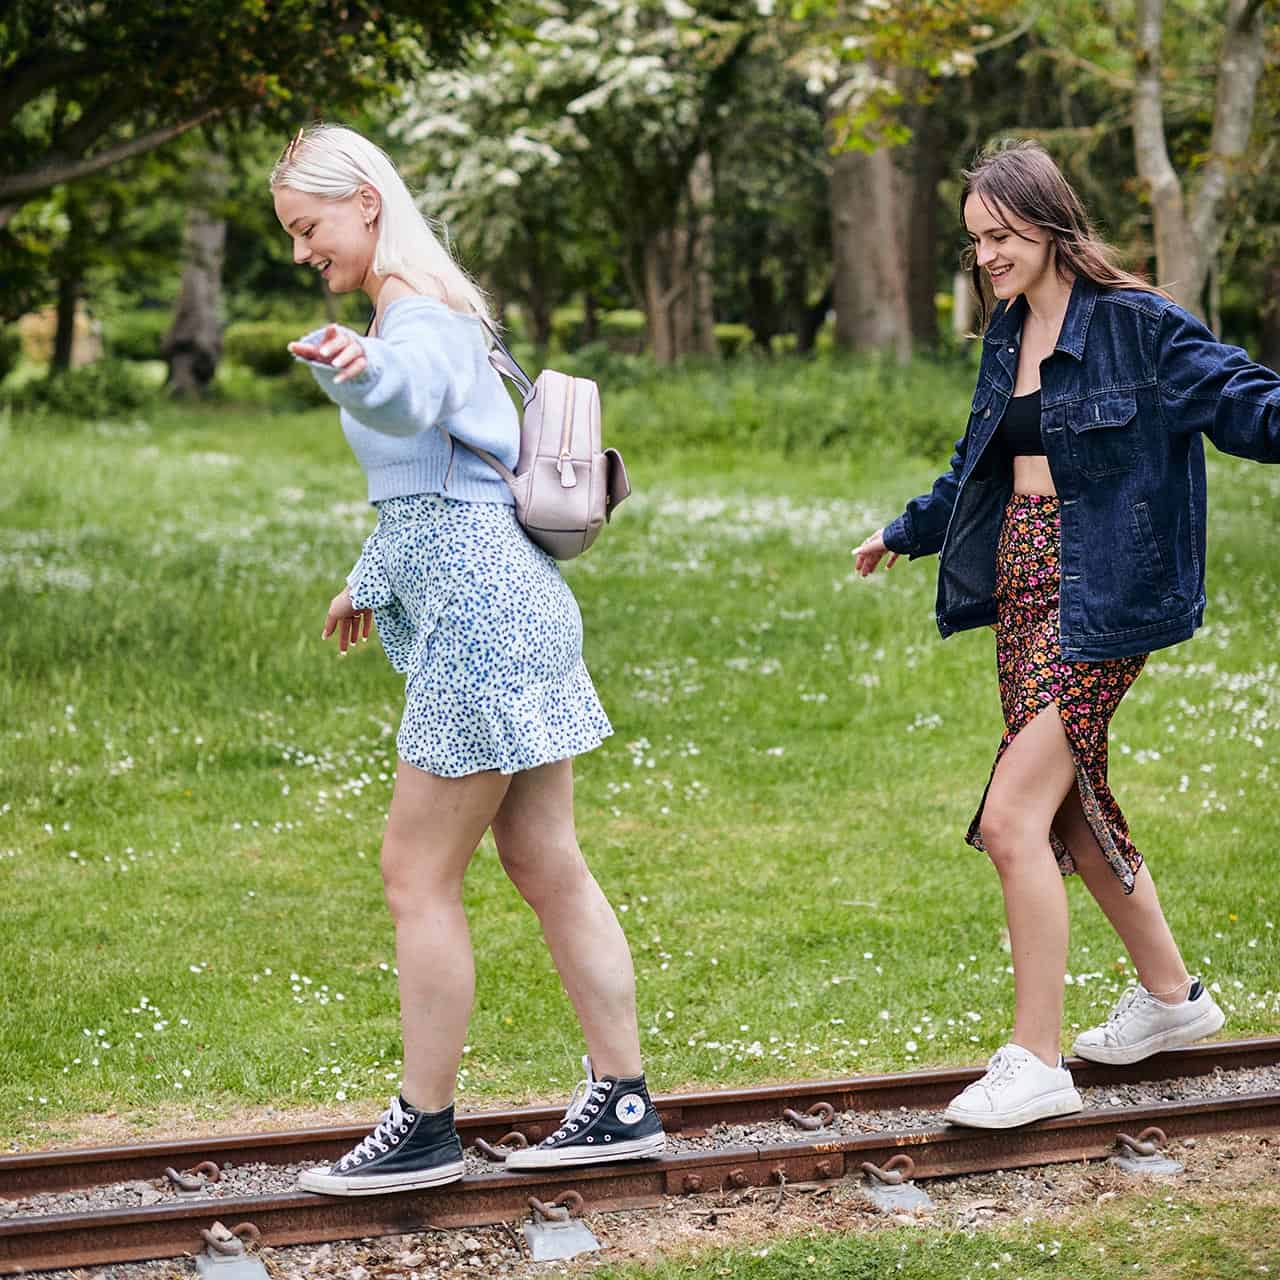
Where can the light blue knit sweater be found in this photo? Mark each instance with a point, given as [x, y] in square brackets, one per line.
[428, 369]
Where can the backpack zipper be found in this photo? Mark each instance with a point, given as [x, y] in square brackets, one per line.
[568, 478]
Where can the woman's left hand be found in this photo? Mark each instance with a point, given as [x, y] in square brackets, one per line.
[351, 624]
[339, 348]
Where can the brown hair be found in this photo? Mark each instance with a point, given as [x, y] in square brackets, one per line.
[1019, 177]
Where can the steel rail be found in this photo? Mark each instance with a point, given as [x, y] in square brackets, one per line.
[122, 1235]
[691, 1114]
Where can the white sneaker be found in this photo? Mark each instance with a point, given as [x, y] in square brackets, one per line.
[1141, 1025]
[1017, 1089]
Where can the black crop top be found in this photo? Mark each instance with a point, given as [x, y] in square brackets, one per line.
[1019, 431]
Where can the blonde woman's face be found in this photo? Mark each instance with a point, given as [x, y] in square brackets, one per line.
[334, 237]
[1015, 255]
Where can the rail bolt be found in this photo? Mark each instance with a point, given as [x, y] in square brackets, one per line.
[692, 1183]
[739, 1179]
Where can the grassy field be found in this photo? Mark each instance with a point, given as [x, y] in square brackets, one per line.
[192, 786]
[1157, 1237]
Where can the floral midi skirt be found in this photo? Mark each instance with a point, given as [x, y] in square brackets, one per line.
[487, 634]
[1033, 675]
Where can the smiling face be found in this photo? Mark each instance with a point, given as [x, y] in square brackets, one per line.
[335, 237]
[1016, 257]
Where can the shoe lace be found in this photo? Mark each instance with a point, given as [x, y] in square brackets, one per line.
[587, 1096]
[1000, 1068]
[1128, 999]
[379, 1141]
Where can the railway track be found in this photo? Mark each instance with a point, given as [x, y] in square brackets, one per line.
[701, 1162]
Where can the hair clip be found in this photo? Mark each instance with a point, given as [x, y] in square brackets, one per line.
[293, 146]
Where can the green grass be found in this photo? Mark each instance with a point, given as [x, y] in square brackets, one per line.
[192, 786]
[1161, 1237]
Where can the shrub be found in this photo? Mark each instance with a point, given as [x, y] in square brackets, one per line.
[263, 345]
[96, 390]
[610, 368]
[10, 350]
[818, 406]
[136, 335]
[733, 339]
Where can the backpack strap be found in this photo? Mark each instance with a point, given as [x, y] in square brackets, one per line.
[506, 364]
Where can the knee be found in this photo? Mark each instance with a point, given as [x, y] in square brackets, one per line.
[1006, 833]
[408, 885]
[546, 872]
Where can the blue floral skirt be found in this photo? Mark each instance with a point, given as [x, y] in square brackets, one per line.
[487, 633]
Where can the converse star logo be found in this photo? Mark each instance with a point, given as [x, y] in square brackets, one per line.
[629, 1108]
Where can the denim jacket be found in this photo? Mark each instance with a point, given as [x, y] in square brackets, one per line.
[1126, 394]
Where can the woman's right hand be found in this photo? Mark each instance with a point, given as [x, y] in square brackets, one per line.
[351, 624]
[870, 553]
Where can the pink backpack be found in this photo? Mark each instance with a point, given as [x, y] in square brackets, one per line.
[566, 485]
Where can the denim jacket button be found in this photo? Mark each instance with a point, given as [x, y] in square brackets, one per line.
[986, 413]
[1012, 350]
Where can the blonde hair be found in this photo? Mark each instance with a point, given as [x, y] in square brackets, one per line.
[333, 163]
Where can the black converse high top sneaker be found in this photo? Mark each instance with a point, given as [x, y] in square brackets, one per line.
[608, 1119]
[408, 1149]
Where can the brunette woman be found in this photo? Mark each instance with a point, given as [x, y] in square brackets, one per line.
[1073, 518]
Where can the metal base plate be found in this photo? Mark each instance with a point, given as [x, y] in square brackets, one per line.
[905, 1197]
[548, 1241]
[1146, 1165]
[229, 1268]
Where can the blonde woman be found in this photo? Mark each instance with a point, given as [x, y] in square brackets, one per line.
[489, 637]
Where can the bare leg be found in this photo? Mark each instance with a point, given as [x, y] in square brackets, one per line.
[539, 848]
[433, 829]
[1033, 776]
[1136, 917]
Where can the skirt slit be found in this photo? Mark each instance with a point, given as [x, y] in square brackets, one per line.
[1033, 676]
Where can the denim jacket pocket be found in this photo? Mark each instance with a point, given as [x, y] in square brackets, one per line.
[1154, 554]
[1103, 433]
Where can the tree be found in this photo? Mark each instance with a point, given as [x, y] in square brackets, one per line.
[611, 113]
[882, 65]
[193, 345]
[1189, 225]
[87, 84]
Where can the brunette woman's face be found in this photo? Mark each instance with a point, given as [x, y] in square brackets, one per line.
[334, 237]
[1015, 255]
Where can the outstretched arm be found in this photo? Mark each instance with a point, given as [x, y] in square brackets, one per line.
[1207, 385]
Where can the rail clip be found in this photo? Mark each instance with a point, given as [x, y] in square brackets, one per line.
[891, 1188]
[224, 1257]
[817, 1117]
[1142, 1155]
[554, 1233]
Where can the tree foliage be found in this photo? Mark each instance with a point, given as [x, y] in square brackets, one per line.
[88, 82]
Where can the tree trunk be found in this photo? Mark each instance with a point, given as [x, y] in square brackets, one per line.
[193, 345]
[590, 317]
[812, 319]
[679, 302]
[1270, 352]
[64, 335]
[963, 305]
[702, 311]
[660, 296]
[1189, 230]
[540, 317]
[762, 307]
[923, 163]
[869, 244]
